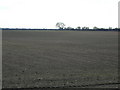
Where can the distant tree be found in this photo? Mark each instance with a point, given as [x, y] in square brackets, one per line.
[60, 25]
[117, 28]
[110, 27]
[69, 28]
[101, 28]
[78, 27]
[95, 27]
[85, 28]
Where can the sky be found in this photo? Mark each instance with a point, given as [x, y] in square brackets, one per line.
[46, 13]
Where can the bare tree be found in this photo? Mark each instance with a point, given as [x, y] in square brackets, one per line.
[60, 25]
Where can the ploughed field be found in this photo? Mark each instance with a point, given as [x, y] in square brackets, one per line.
[59, 58]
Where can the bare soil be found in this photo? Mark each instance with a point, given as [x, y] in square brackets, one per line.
[59, 58]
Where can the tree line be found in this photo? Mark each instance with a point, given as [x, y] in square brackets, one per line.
[61, 26]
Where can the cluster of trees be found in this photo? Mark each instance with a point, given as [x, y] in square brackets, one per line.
[61, 26]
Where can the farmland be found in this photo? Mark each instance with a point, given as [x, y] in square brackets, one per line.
[59, 58]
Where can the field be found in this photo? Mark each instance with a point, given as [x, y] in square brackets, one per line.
[59, 58]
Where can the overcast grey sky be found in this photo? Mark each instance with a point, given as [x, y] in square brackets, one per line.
[46, 13]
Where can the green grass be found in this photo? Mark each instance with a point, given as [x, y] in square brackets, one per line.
[58, 58]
